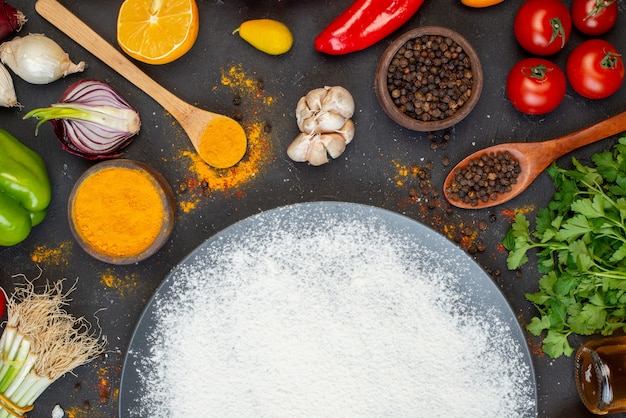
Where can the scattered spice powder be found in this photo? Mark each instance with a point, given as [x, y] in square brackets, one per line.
[434, 210]
[47, 255]
[85, 412]
[124, 285]
[203, 180]
[511, 213]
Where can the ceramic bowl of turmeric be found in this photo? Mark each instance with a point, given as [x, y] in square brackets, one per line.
[121, 211]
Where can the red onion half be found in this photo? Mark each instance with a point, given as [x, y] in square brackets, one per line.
[91, 120]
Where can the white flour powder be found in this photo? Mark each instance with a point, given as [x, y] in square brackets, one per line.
[339, 318]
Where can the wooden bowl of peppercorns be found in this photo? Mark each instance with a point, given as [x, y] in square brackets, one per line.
[428, 79]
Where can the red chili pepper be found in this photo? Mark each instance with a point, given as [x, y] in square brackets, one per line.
[363, 24]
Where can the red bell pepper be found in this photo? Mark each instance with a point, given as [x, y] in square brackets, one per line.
[363, 24]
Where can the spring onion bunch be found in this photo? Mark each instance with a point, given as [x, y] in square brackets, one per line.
[40, 343]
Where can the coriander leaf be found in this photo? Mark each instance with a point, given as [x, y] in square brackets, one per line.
[564, 284]
[620, 205]
[593, 316]
[558, 314]
[619, 254]
[619, 188]
[508, 241]
[536, 325]
[556, 344]
[546, 283]
[544, 221]
[517, 256]
[580, 253]
[518, 242]
[539, 298]
[606, 165]
[579, 326]
[585, 174]
[591, 208]
[611, 327]
[574, 228]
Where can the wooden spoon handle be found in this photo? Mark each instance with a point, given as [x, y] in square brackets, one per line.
[585, 136]
[78, 31]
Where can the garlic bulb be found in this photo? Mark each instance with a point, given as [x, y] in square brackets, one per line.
[324, 119]
[7, 90]
[37, 59]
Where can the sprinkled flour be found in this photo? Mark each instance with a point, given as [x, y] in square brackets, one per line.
[330, 316]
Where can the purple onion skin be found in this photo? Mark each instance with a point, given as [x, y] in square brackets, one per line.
[67, 145]
[11, 20]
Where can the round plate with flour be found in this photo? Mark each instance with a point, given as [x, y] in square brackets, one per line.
[328, 309]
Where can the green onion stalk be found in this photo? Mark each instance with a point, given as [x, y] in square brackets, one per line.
[40, 343]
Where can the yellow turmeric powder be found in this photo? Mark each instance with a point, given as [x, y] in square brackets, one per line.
[223, 143]
[118, 211]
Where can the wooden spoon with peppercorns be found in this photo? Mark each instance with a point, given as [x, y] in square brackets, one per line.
[533, 158]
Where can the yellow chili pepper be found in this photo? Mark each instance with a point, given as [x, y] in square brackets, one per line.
[267, 35]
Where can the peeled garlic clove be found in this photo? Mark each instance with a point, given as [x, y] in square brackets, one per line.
[335, 144]
[339, 100]
[7, 90]
[317, 154]
[314, 98]
[299, 148]
[37, 59]
[347, 131]
[329, 122]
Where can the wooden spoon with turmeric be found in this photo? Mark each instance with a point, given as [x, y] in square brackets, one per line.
[218, 139]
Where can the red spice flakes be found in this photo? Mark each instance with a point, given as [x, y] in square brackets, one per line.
[432, 208]
[511, 213]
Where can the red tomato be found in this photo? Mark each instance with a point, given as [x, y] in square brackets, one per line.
[535, 86]
[542, 27]
[594, 17]
[595, 69]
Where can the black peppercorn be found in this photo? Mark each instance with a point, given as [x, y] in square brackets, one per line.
[430, 78]
[484, 178]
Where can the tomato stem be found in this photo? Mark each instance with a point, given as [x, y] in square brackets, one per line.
[598, 7]
[538, 72]
[610, 60]
[557, 30]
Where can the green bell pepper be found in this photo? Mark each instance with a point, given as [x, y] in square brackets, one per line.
[25, 190]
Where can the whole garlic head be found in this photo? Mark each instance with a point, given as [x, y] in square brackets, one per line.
[324, 119]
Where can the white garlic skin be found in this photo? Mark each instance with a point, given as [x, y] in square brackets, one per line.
[8, 98]
[335, 144]
[338, 100]
[323, 116]
[298, 149]
[37, 59]
[317, 154]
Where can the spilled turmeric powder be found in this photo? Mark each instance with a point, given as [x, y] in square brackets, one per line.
[58, 255]
[203, 180]
[124, 285]
[223, 143]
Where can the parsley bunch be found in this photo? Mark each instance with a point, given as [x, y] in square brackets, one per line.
[580, 239]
